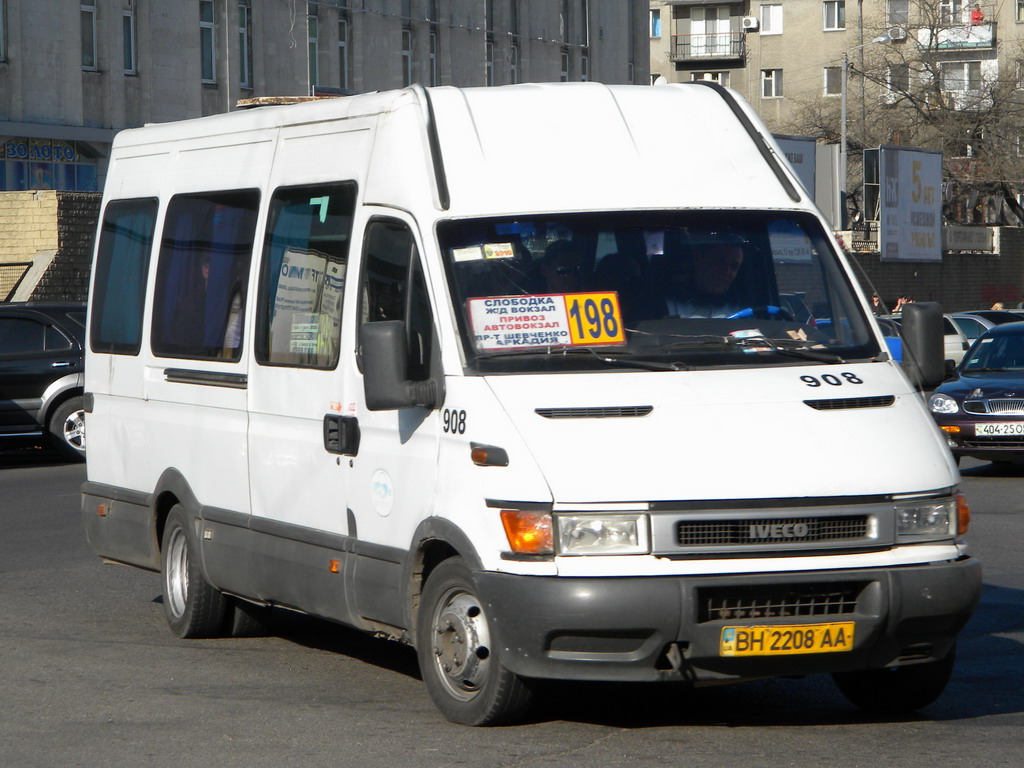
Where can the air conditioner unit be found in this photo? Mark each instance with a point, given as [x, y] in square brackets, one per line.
[897, 33]
[750, 23]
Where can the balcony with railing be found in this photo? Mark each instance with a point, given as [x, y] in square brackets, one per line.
[708, 46]
[957, 37]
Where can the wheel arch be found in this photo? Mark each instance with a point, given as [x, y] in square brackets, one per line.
[437, 540]
[171, 489]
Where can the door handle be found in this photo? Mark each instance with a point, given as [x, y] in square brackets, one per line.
[61, 364]
[341, 434]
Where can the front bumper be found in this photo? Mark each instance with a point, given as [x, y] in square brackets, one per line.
[965, 442]
[669, 628]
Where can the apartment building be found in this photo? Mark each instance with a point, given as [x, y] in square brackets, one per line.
[74, 72]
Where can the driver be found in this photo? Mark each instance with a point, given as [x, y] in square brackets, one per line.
[715, 267]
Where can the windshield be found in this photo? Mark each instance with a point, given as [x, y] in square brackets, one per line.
[656, 289]
[995, 353]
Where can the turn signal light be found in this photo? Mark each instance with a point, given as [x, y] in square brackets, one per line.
[963, 515]
[951, 430]
[528, 533]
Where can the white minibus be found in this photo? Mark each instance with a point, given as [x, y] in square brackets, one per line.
[561, 381]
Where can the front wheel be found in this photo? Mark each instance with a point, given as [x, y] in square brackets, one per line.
[67, 427]
[192, 606]
[459, 660]
[899, 689]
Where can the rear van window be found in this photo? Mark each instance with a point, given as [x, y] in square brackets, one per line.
[119, 283]
[203, 274]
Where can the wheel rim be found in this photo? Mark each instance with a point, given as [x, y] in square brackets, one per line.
[176, 573]
[74, 430]
[461, 643]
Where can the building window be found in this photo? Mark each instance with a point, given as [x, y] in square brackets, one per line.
[656, 22]
[564, 75]
[406, 11]
[835, 14]
[833, 81]
[3, 30]
[1020, 10]
[313, 41]
[585, 65]
[563, 21]
[898, 80]
[207, 42]
[584, 23]
[433, 59]
[771, 83]
[128, 41]
[343, 51]
[88, 13]
[406, 57]
[245, 43]
[898, 12]
[951, 11]
[722, 78]
[771, 19]
[488, 63]
[489, 16]
[513, 63]
[961, 76]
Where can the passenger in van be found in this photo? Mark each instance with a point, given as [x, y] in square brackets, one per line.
[562, 268]
[709, 293]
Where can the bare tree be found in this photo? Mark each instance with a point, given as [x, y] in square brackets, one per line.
[946, 86]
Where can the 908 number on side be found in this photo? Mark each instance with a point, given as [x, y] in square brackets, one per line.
[453, 421]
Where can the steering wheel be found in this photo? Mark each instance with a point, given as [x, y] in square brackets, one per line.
[764, 312]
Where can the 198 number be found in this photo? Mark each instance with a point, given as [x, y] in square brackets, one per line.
[832, 380]
[596, 320]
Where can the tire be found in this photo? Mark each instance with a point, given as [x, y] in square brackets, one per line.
[67, 427]
[193, 607]
[460, 664]
[898, 690]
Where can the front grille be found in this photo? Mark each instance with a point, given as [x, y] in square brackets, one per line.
[604, 412]
[844, 403]
[1002, 406]
[777, 602]
[770, 531]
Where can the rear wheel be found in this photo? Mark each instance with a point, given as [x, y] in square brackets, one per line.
[192, 606]
[67, 427]
[899, 689]
[460, 663]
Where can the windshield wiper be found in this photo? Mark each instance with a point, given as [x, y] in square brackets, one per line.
[793, 347]
[629, 362]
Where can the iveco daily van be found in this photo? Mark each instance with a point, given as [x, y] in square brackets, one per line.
[510, 376]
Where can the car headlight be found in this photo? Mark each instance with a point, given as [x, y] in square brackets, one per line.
[940, 403]
[603, 534]
[927, 519]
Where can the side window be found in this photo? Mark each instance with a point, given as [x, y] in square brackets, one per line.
[393, 288]
[119, 284]
[19, 335]
[202, 275]
[302, 281]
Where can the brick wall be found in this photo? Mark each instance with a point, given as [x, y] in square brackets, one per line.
[35, 224]
[961, 281]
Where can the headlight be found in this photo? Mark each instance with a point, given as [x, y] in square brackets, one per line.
[926, 519]
[603, 535]
[940, 403]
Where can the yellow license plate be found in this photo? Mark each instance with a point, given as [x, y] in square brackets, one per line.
[787, 639]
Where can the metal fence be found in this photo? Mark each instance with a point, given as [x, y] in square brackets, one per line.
[11, 275]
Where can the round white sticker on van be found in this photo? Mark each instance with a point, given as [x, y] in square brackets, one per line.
[382, 493]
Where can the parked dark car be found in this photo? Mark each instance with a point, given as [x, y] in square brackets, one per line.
[41, 364]
[981, 409]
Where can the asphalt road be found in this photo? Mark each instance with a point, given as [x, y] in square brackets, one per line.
[91, 676]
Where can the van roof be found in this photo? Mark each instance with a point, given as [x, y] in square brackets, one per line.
[545, 147]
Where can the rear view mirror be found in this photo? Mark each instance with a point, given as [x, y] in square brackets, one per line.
[923, 353]
[385, 369]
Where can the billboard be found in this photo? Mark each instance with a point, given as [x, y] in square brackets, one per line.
[910, 208]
